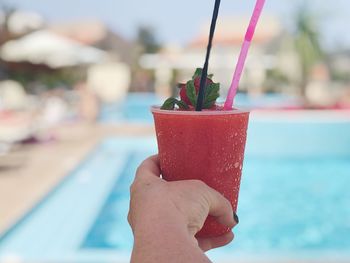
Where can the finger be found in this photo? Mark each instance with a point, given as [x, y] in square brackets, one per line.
[220, 208]
[209, 243]
[150, 165]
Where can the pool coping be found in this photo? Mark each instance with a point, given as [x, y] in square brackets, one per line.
[22, 188]
[42, 200]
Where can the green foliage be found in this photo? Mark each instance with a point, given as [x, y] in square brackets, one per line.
[211, 95]
[147, 39]
[343, 77]
[275, 80]
[307, 43]
[191, 92]
[48, 78]
[198, 73]
[170, 103]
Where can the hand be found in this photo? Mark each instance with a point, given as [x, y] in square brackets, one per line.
[155, 201]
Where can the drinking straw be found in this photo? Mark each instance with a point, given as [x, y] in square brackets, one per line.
[243, 54]
[203, 81]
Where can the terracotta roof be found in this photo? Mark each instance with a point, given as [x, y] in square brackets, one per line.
[230, 31]
[87, 32]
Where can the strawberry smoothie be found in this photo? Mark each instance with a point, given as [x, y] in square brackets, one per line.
[208, 146]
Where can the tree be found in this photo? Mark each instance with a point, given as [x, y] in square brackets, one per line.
[307, 43]
[147, 39]
[7, 11]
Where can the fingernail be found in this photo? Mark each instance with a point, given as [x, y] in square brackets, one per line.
[235, 217]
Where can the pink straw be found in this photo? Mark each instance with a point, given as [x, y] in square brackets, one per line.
[243, 55]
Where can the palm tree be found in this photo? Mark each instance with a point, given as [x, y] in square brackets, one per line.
[146, 37]
[7, 11]
[307, 44]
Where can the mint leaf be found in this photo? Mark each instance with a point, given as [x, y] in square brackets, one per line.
[191, 92]
[170, 103]
[197, 73]
[182, 105]
[211, 95]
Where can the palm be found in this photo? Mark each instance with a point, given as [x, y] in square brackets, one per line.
[307, 44]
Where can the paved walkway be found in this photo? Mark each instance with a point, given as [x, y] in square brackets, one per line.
[28, 172]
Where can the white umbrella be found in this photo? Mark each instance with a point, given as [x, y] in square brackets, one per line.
[55, 51]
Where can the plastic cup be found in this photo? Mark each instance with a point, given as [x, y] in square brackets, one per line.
[207, 146]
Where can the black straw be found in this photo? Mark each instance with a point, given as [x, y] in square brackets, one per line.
[202, 86]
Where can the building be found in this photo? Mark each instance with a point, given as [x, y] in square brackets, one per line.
[179, 63]
[96, 34]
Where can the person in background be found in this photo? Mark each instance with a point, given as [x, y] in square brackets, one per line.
[165, 216]
[89, 106]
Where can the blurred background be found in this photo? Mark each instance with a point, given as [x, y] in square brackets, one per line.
[77, 79]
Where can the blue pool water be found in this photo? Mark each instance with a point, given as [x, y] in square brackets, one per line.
[136, 107]
[289, 206]
[286, 205]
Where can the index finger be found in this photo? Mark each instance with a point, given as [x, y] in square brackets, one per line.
[219, 207]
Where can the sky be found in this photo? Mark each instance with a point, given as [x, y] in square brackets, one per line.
[177, 21]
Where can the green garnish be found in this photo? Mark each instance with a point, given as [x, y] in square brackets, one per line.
[189, 93]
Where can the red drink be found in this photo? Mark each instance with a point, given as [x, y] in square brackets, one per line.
[206, 145]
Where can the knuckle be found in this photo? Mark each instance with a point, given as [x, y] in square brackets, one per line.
[194, 227]
[198, 183]
[132, 187]
[139, 169]
[129, 218]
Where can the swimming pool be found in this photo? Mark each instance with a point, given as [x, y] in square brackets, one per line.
[135, 108]
[294, 200]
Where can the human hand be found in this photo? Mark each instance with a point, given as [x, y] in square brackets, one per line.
[155, 201]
